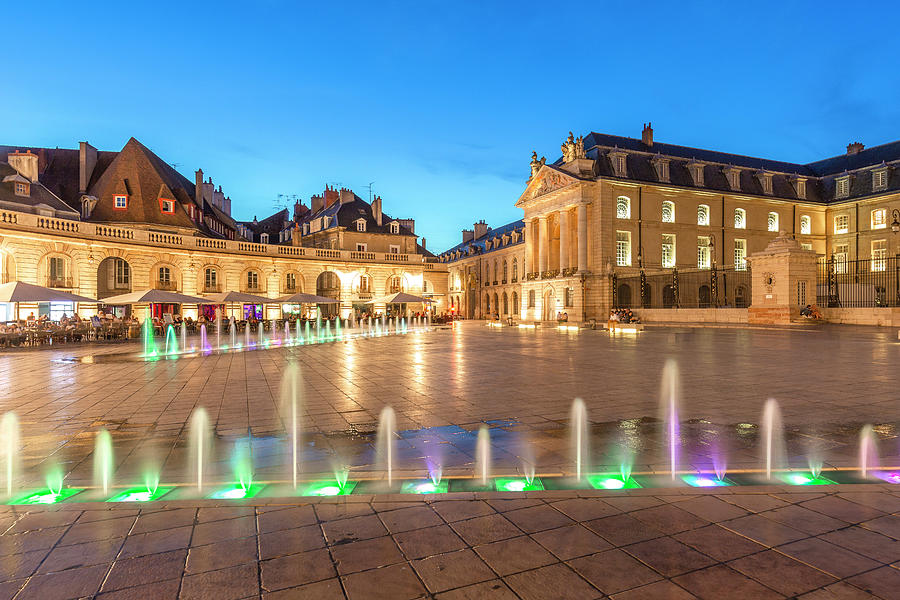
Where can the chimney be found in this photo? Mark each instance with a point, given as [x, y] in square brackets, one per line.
[331, 196]
[87, 160]
[346, 196]
[409, 224]
[647, 135]
[422, 243]
[468, 235]
[376, 210]
[481, 229]
[25, 163]
[198, 187]
[317, 202]
[855, 148]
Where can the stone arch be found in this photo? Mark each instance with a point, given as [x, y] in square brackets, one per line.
[548, 304]
[505, 304]
[157, 276]
[624, 296]
[251, 284]
[68, 278]
[297, 281]
[328, 284]
[213, 282]
[115, 276]
[516, 309]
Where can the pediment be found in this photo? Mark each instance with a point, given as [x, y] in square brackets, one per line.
[547, 180]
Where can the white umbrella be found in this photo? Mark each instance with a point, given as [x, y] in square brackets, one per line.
[301, 298]
[17, 291]
[156, 296]
[398, 298]
[238, 298]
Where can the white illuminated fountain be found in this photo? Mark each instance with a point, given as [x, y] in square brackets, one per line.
[200, 445]
[579, 437]
[290, 399]
[669, 395]
[772, 437]
[483, 455]
[103, 460]
[385, 442]
[9, 449]
[232, 329]
[868, 453]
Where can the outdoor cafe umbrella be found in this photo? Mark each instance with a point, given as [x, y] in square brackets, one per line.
[154, 296]
[301, 298]
[238, 298]
[399, 298]
[18, 291]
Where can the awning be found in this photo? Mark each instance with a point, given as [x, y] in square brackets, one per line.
[154, 296]
[398, 298]
[238, 297]
[17, 291]
[301, 298]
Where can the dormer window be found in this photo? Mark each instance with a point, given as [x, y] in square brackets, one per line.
[879, 179]
[800, 187]
[619, 163]
[703, 214]
[765, 181]
[120, 202]
[22, 189]
[662, 168]
[361, 225]
[734, 178]
[167, 206]
[264, 238]
[842, 186]
[696, 170]
[395, 228]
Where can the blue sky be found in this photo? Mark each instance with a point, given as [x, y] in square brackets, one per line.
[441, 104]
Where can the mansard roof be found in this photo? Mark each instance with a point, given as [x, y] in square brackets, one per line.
[38, 195]
[350, 212]
[273, 225]
[479, 246]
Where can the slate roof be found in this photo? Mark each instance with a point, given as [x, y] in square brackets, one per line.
[38, 194]
[350, 212]
[273, 225]
[479, 246]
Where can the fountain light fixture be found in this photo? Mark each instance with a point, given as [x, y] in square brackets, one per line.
[609, 481]
[45, 496]
[527, 326]
[567, 327]
[706, 480]
[328, 488]
[804, 478]
[518, 484]
[140, 494]
[423, 486]
[889, 476]
[236, 491]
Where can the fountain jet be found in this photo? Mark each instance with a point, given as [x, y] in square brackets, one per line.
[669, 404]
[580, 440]
[9, 448]
[868, 453]
[103, 460]
[385, 443]
[773, 437]
[290, 392]
[200, 443]
[483, 454]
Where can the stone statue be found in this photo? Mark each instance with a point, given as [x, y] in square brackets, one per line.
[573, 148]
[536, 164]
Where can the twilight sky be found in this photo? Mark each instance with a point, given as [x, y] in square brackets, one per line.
[440, 104]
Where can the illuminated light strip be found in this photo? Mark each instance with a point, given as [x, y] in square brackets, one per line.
[611, 482]
[140, 494]
[45, 496]
[527, 326]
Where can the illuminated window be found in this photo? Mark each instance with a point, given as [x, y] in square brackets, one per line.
[209, 278]
[772, 221]
[515, 270]
[740, 255]
[361, 247]
[365, 283]
[740, 218]
[120, 202]
[623, 207]
[252, 280]
[668, 250]
[395, 284]
[394, 249]
[879, 218]
[805, 225]
[842, 186]
[57, 266]
[703, 252]
[840, 256]
[703, 215]
[623, 248]
[805, 246]
[879, 255]
[164, 275]
[668, 212]
[841, 223]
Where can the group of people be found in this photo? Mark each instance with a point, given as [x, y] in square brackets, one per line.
[811, 311]
[621, 315]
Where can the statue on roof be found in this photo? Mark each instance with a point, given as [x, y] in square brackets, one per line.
[572, 148]
[536, 164]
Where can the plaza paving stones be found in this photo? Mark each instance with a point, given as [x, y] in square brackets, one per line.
[779, 541]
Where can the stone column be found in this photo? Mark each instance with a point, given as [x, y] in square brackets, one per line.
[527, 267]
[543, 245]
[582, 238]
[563, 240]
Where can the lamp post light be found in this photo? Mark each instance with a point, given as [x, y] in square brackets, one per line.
[895, 224]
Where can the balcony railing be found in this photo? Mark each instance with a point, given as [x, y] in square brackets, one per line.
[289, 289]
[60, 282]
[212, 288]
[168, 286]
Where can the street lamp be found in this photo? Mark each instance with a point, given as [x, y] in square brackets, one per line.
[895, 225]
[712, 248]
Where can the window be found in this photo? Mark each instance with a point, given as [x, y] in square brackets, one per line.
[361, 225]
[57, 265]
[842, 186]
[623, 248]
[662, 168]
[879, 254]
[805, 224]
[772, 222]
[122, 273]
[361, 247]
[120, 202]
[365, 285]
[703, 215]
[740, 255]
[879, 180]
[252, 280]
[801, 293]
[395, 228]
[841, 223]
[164, 275]
[765, 180]
[209, 279]
[568, 303]
[167, 206]
[505, 271]
[740, 218]
[696, 173]
[734, 178]
[487, 303]
[264, 238]
[395, 284]
[840, 255]
[394, 249]
[703, 252]
[879, 218]
[805, 246]
[515, 270]
[290, 281]
[623, 207]
[530, 298]
[668, 250]
[668, 211]
[800, 184]
[21, 189]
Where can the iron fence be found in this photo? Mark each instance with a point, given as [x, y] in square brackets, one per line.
[864, 283]
[695, 288]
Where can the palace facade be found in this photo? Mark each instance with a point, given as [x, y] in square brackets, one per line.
[614, 208]
[101, 224]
